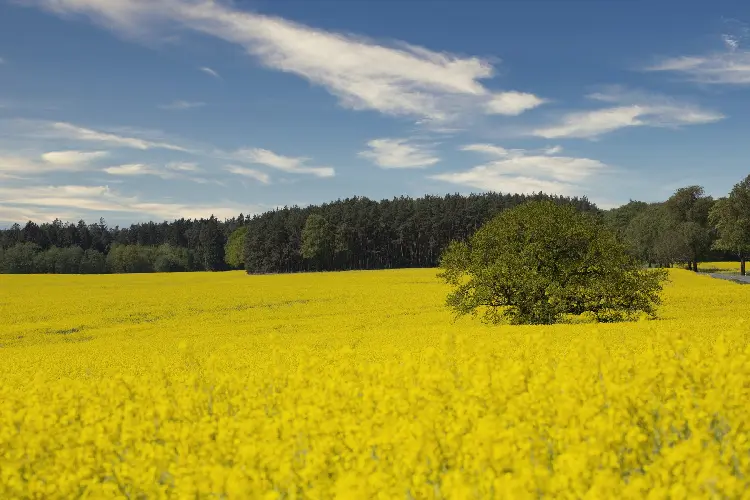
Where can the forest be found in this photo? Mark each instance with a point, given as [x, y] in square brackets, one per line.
[359, 233]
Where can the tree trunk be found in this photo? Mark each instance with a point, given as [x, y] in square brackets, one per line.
[695, 266]
[742, 265]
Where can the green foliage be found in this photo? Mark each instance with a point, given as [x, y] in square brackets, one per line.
[20, 258]
[618, 219]
[731, 218]
[318, 238]
[130, 259]
[93, 262]
[538, 262]
[234, 254]
[650, 236]
[210, 248]
[169, 259]
[689, 208]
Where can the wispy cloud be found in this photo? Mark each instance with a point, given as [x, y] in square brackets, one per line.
[287, 164]
[492, 150]
[394, 79]
[182, 105]
[633, 109]
[521, 171]
[63, 130]
[725, 68]
[513, 103]
[728, 67]
[19, 166]
[398, 153]
[183, 167]
[211, 72]
[73, 157]
[259, 176]
[172, 170]
[21, 203]
[135, 169]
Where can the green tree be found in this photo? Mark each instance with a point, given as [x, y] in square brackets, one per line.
[535, 263]
[731, 218]
[651, 236]
[19, 259]
[170, 259]
[618, 219]
[210, 249]
[234, 250]
[93, 262]
[318, 238]
[689, 207]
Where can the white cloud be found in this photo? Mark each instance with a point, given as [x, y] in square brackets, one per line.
[209, 71]
[285, 163]
[182, 105]
[727, 68]
[398, 153]
[20, 166]
[73, 132]
[133, 169]
[401, 79]
[249, 172]
[173, 170]
[525, 172]
[731, 41]
[183, 167]
[634, 109]
[593, 123]
[36, 202]
[73, 157]
[492, 150]
[513, 103]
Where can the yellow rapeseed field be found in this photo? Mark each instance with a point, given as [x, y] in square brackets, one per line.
[359, 385]
[719, 267]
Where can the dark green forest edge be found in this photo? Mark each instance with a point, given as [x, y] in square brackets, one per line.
[359, 233]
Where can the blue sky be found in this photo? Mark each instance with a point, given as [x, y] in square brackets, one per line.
[138, 110]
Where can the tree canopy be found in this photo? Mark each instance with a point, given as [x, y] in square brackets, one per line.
[537, 263]
[731, 217]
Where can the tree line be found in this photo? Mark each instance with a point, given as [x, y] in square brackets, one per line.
[360, 233]
[364, 234]
[56, 247]
[687, 228]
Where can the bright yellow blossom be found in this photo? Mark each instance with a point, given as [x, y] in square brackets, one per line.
[360, 385]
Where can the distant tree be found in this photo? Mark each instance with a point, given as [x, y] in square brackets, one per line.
[210, 248]
[535, 263]
[169, 259]
[130, 259]
[19, 259]
[92, 262]
[731, 218]
[234, 254]
[618, 219]
[45, 260]
[318, 240]
[689, 207]
[650, 236]
[69, 260]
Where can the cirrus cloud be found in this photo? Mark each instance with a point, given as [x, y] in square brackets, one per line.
[398, 153]
[394, 79]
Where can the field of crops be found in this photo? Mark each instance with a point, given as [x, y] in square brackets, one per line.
[719, 267]
[359, 385]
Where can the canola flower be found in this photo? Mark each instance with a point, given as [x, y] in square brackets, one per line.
[719, 267]
[358, 385]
